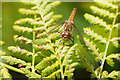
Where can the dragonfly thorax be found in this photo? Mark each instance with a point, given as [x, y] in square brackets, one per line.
[68, 26]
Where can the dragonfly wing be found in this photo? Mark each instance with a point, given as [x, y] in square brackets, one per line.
[86, 54]
[53, 29]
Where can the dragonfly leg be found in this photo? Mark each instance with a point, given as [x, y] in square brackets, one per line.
[61, 43]
[72, 39]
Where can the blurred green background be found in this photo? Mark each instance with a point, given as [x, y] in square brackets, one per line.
[10, 14]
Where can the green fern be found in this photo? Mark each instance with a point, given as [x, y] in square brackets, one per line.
[97, 38]
[48, 58]
[43, 18]
[4, 73]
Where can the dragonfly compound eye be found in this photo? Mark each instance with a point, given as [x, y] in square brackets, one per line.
[68, 34]
[62, 34]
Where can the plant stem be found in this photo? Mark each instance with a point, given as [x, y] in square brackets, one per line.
[61, 67]
[33, 56]
[12, 68]
[107, 44]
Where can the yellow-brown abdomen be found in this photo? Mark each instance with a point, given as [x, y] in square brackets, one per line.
[72, 14]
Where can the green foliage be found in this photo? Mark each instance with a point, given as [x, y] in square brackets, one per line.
[22, 39]
[18, 50]
[38, 20]
[96, 37]
[2, 53]
[13, 61]
[45, 62]
[55, 60]
[96, 20]
[102, 12]
[30, 74]
[53, 66]
[2, 42]
[113, 74]
[5, 73]
[50, 59]
[103, 32]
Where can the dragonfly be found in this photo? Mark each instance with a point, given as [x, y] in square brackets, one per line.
[66, 34]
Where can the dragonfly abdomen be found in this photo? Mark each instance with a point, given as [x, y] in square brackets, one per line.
[72, 14]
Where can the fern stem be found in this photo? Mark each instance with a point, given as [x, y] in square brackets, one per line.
[61, 68]
[107, 44]
[12, 68]
[52, 74]
[33, 56]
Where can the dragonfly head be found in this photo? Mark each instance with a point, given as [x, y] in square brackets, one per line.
[65, 35]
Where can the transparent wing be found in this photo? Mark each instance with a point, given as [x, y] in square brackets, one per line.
[86, 56]
[52, 29]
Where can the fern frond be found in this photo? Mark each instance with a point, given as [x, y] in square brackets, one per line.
[48, 16]
[92, 46]
[44, 47]
[67, 62]
[110, 57]
[71, 69]
[28, 11]
[24, 21]
[39, 21]
[101, 55]
[2, 53]
[105, 9]
[48, 23]
[22, 39]
[91, 33]
[5, 73]
[42, 6]
[102, 12]
[48, 70]
[45, 62]
[22, 29]
[54, 4]
[106, 4]
[17, 49]
[41, 41]
[57, 17]
[105, 74]
[29, 21]
[115, 41]
[49, 7]
[39, 29]
[30, 74]
[43, 54]
[54, 36]
[70, 52]
[64, 50]
[13, 61]
[117, 25]
[113, 74]
[53, 74]
[96, 20]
